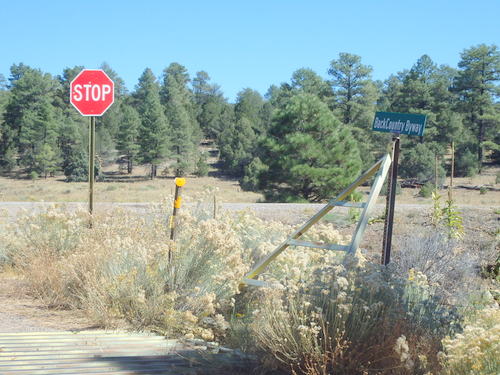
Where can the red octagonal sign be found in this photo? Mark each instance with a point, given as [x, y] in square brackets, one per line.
[92, 92]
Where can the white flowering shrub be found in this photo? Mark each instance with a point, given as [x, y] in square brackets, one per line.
[450, 266]
[476, 350]
[327, 314]
[350, 317]
[120, 267]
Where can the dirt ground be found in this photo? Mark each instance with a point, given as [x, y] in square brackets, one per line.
[21, 312]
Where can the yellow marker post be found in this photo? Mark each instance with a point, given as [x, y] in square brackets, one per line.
[179, 183]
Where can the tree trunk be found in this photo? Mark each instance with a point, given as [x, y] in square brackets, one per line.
[129, 165]
[480, 146]
[450, 190]
[152, 171]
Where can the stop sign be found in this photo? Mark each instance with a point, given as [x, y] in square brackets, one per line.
[92, 92]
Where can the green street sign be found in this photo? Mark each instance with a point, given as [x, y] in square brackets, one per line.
[401, 123]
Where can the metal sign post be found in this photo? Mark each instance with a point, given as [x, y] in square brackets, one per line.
[92, 92]
[396, 123]
[390, 202]
[91, 165]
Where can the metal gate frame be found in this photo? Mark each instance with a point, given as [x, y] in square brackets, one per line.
[380, 170]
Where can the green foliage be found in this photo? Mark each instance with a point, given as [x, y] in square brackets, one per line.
[355, 97]
[237, 146]
[461, 106]
[426, 190]
[181, 113]
[476, 87]
[210, 105]
[76, 166]
[202, 167]
[466, 162]
[355, 94]
[29, 116]
[309, 153]
[453, 220]
[419, 162]
[249, 105]
[447, 218]
[128, 134]
[238, 141]
[46, 162]
[252, 174]
[154, 131]
[74, 154]
[308, 82]
[483, 190]
[384, 189]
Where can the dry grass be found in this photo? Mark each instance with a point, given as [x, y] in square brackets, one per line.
[227, 190]
[56, 190]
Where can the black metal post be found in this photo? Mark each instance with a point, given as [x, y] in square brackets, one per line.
[390, 202]
[91, 166]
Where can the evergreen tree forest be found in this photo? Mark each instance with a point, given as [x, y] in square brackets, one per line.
[304, 139]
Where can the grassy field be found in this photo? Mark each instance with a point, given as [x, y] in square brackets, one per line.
[138, 188]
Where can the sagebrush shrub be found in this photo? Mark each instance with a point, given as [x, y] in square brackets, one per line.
[349, 318]
[476, 350]
[120, 267]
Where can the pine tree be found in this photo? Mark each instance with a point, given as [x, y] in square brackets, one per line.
[210, 104]
[306, 81]
[249, 105]
[154, 141]
[46, 161]
[237, 145]
[477, 90]
[128, 134]
[355, 93]
[29, 122]
[180, 111]
[355, 98]
[108, 124]
[73, 145]
[4, 99]
[425, 89]
[308, 153]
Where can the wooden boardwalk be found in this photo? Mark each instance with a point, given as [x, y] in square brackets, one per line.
[104, 352]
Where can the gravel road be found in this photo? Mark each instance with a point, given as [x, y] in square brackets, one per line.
[287, 212]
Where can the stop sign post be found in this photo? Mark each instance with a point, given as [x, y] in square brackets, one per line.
[92, 92]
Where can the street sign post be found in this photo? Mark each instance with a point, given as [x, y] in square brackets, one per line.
[396, 123]
[92, 92]
[400, 123]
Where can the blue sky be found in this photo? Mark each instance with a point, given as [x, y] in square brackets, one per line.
[240, 43]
